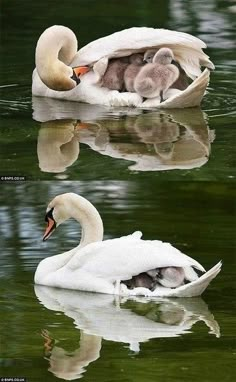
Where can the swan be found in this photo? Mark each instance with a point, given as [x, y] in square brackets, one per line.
[101, 266]
[56, 54]
[156, 78]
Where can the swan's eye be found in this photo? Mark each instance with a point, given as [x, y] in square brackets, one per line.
[75, 78]
[51, 224]
[49, 215]
[79, 71]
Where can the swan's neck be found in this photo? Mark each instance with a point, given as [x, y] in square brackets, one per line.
[88, 217]
[55, 50]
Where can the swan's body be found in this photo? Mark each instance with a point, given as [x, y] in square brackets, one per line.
[136, 63]
[101, 266]
[56, 55]
[155, 78]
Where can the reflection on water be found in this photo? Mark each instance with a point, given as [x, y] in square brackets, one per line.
[130, 321]
[155, 141]
[58, 145]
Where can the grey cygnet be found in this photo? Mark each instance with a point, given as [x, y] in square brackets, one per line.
[169, 277]
[136, 62]
[182, 81]
[113, 78]
[155, 78]
[143, 280]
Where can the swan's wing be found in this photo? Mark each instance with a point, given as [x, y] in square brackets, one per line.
[187, 49]
[120, 259]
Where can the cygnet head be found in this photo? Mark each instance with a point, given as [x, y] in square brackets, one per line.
[163, 56]
[136, 59]
[148, 55]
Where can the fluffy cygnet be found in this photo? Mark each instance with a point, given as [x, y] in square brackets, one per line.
[148, 55]
[136, 63]
[142, 280]
[113, 78]
[169, 277]
[156, 77]
[182, 81]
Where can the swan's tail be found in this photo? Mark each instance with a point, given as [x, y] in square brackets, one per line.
[197, 287]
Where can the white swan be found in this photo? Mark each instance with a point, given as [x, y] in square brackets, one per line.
[101, 266]
[56, 55]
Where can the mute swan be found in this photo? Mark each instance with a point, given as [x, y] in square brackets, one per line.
[156, 77]
[56, 55]
[113, 78]
[101, 266]
[136, 63]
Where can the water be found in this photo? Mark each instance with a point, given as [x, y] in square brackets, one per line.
[169, 174]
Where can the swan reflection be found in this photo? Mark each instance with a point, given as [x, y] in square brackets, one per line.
[127, 320]
[154, 141]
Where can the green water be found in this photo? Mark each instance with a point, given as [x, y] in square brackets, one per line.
[169, 174]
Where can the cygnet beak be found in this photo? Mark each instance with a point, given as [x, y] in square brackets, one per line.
[79, 71]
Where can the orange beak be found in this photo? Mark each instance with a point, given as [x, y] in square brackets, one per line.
[80, 70]
[82, 125]
[50, 228]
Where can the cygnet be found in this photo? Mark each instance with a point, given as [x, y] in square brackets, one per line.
[169, 277]
[182, 81]
[113, 78]
[155, 78]
[143, 280]
[136, 63]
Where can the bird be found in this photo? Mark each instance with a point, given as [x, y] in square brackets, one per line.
[169, 277]
[136, 63]
[156, 77]
[182, 81]
[102, 266]
[56, 55]
[113, 78]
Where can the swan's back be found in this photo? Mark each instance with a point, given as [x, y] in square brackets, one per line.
[122, 258]
[187, 49]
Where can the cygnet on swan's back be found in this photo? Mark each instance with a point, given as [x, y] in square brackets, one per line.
[155, 78]
[113, 78]
[136, 63]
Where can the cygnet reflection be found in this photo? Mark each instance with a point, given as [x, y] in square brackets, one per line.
[154, 141]
[127, 320]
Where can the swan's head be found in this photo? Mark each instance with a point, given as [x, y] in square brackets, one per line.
[57, 212]
[55, 50]
[163, 56]
[62, 77]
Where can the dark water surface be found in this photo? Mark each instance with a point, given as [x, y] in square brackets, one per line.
[169, 174]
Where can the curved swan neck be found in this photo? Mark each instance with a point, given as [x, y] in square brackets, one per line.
[86, 214]
[55, 50]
